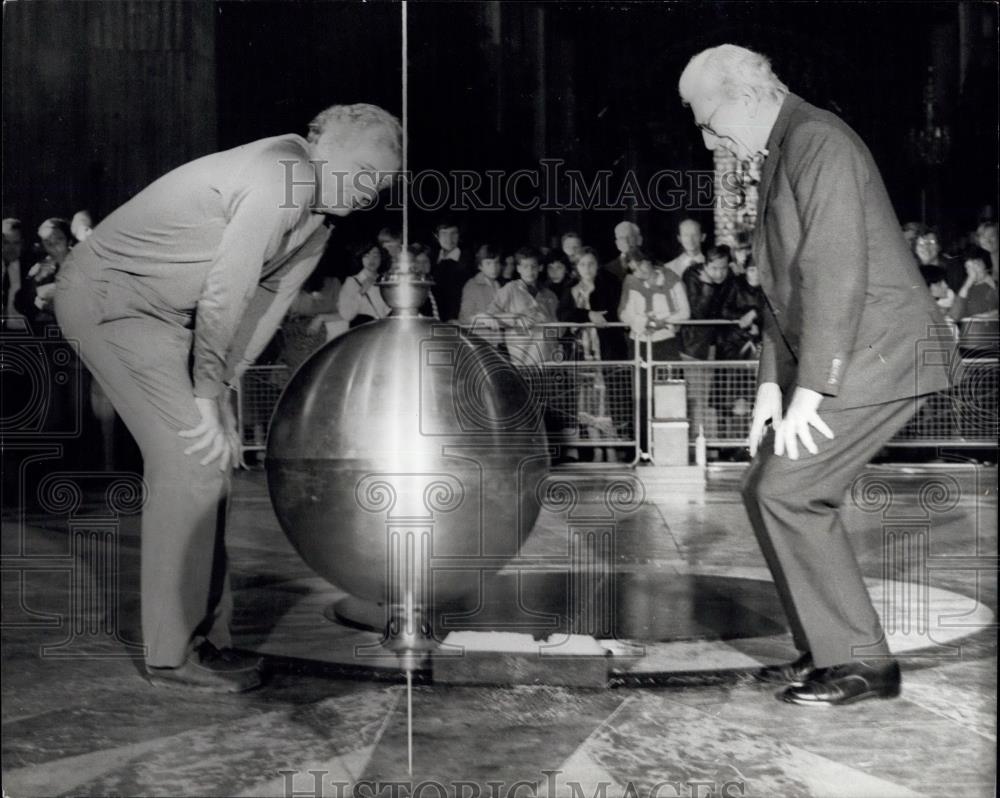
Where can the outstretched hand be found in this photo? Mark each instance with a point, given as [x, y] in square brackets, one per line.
[217, 432]
[794, 428]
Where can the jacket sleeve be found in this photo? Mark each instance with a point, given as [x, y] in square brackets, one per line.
[828, 175]
[258, 216]
[270, 303]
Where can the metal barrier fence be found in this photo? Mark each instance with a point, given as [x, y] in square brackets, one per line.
[627, 410]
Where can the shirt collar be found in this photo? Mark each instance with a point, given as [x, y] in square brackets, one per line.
[455, 254]
[780, 129]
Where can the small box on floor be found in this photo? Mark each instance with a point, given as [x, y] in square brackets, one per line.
[670, 442]
[670, 400]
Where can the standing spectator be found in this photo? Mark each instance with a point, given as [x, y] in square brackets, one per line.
[571, 245]
[451, 270]
[479, 292]
[653, 301]
[593, 300]
[13, 273]
[360, 300]
[691, 238]
[557, 273]
[34, 300]
[628, 239]
[707, 286]
[744, 304]
[521, 307]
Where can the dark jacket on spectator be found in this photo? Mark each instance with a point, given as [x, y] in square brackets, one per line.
[732, 342]
[450, 277]
[706, 301]
[605, 296]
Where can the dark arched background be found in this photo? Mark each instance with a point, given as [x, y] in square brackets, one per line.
[102, 97]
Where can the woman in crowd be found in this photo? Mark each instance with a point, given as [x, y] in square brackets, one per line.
[557, 273]
[360, 300]
[593, 300]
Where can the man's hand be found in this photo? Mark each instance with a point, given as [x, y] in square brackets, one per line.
[801, 414]
[767, 407]
[211, 434]
[598, 317]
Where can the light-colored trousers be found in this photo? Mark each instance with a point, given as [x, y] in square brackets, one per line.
[142, 364]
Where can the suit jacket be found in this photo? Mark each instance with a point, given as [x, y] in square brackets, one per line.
[616, 268]
[450, 277]
[847, 312]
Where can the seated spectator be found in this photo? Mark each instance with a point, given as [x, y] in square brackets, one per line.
[743, 304]
[911, 232]
[571, 245]
[34, 300]
[13, 273]
[652, 302]
[452, 269]
[480, 291]
[931, 257]
[420, 264]
[556, 277]
[975, 309]
[360, 300]
[707, 286]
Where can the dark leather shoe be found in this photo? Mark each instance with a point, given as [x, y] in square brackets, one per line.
[845, 684]
[788, 672]
[211, 669]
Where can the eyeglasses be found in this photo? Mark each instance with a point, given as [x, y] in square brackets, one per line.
[706, 126]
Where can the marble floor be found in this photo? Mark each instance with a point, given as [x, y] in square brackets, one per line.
[668, 708]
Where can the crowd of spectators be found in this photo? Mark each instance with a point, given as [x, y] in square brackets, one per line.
[607, 310]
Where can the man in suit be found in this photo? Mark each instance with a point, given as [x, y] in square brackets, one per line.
[628, 239]
[170, 298]
[851, 341]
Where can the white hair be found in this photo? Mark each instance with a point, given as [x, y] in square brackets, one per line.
[627, 227]
[348, 121]
[730, 70]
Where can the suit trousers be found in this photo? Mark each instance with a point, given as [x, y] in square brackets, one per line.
[142, 363]
[794, 507]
